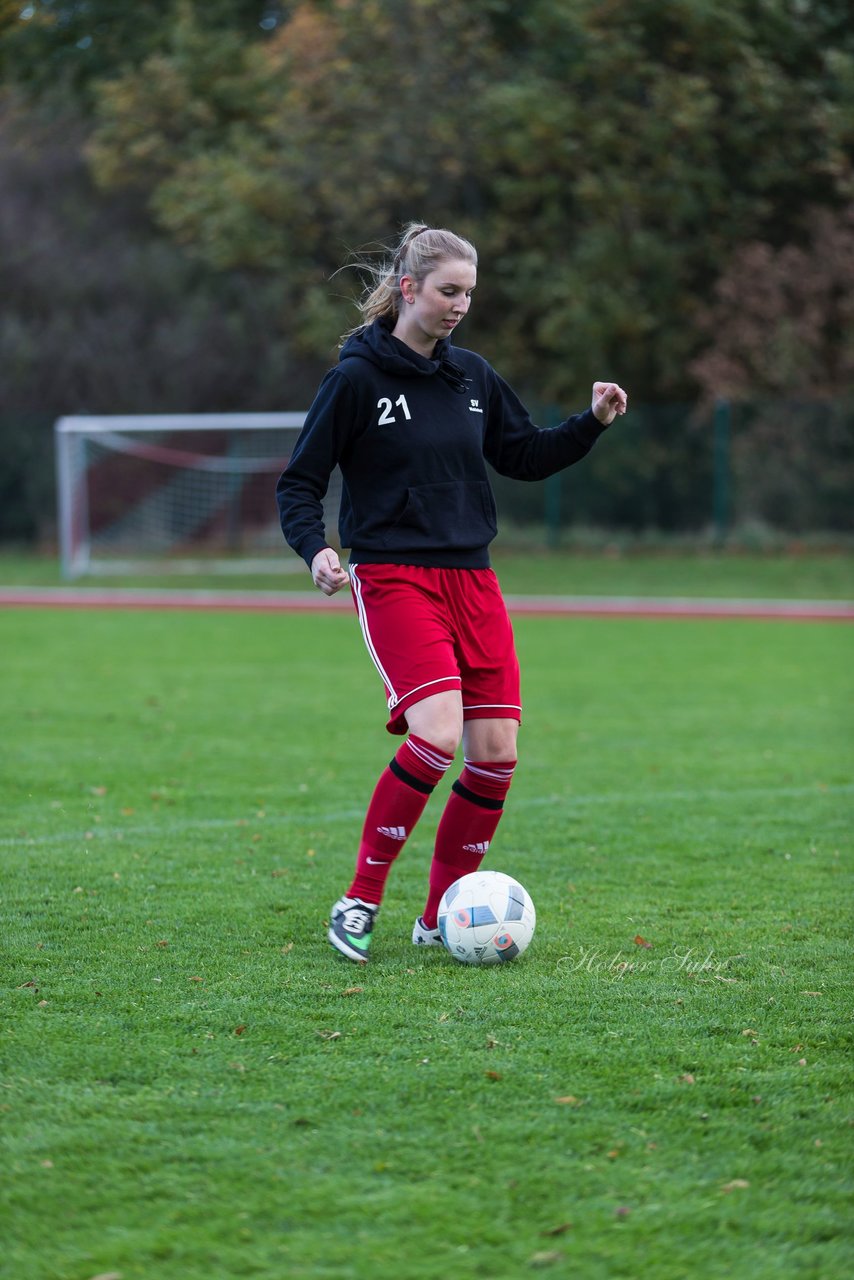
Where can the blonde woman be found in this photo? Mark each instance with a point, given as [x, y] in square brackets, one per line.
[412, 421]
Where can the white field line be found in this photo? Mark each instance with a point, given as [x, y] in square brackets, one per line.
[98, 832]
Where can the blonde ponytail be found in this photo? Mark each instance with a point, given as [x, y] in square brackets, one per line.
[419, 251]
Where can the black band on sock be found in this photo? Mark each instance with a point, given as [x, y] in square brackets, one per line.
[410, 779]
[484, 801]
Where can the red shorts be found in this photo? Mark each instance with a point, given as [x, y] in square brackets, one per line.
[430, 630]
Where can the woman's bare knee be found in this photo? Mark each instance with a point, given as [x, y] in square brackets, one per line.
[439, 720]
[490, 739]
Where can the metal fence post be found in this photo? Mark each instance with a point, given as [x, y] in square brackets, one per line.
[721, 431]
[552, 510]
[552, 488]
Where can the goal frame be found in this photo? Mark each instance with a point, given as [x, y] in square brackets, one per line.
[74, 530]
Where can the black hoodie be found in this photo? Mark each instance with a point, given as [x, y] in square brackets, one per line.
[410, 436]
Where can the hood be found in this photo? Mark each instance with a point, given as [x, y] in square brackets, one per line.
[378, 344]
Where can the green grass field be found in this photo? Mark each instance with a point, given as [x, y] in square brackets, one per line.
[195, 1086]
[809, 574]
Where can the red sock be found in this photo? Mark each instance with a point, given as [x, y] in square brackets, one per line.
[467, 826]
[398, 801]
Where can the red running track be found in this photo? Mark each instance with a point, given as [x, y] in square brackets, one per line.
[314, 602]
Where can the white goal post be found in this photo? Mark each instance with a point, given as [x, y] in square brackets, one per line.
[175, 492]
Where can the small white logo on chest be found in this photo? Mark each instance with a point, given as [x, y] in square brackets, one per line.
[474, 406]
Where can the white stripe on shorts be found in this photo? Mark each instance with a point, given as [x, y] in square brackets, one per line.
[366, 633]
[492, 706]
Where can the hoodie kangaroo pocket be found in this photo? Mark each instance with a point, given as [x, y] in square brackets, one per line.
[455, 514]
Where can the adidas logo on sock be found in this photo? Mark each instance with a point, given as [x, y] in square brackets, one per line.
[393, 833]
[481, 847]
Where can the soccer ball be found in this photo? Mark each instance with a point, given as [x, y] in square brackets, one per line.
[486, 917]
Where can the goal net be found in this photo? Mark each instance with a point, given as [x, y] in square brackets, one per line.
[176, 492]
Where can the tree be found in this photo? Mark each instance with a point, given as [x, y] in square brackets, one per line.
[73, 44]
[780, 333]
[607, 158]
[672, 133]
[781, 322]
[102, 315]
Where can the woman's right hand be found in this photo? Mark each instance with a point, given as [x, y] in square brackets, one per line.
[326, 572]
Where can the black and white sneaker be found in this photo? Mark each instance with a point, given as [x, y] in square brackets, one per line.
[351, 924]
[424, 937]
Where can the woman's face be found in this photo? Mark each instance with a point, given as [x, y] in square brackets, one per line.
[435, 307]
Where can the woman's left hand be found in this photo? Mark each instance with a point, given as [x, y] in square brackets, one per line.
[608, 401]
